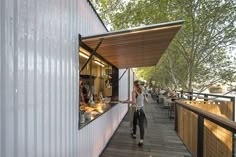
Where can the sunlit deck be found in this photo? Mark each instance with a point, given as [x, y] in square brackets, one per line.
[160, 139]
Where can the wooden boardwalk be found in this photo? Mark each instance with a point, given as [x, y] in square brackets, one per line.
[160, 139]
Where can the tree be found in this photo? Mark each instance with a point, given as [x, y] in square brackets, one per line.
[107, 9]
[197, 57]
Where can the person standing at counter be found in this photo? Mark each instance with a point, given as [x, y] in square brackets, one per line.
[137, 111]
[82, 102]
[84, 98]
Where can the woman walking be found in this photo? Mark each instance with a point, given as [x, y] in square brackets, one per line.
[137, 110]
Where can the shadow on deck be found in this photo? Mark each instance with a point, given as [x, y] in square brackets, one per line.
[160, 139]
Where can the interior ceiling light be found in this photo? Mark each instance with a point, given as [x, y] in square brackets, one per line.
[83, 55]
[81, 49]
[97, 62]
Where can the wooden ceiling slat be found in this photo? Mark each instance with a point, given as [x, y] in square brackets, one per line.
[123, 66]
[136, 60]
[137, 64]
[141, 50]
[130, 32]
[129, 55]
[133, 52]
[134, 49]
[142, 39]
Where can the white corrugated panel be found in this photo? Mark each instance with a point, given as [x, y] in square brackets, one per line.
[39, 79]
[94, 137]
[123, 84]
[131, 82]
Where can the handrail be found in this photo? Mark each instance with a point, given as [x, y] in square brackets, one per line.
[218, 120]
[223, 122]
[215, 95]
[232, 98]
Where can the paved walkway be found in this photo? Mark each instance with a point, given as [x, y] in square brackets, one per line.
[160, 139]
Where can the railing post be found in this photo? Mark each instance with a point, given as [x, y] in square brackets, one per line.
[200, 136]
[176, 117]
[233, 101]
[191, 95]
[177, 94]
[205, 96]
[233, 144]
[182, 92]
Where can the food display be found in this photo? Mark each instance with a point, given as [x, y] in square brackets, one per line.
[91, 112]
[86, 108]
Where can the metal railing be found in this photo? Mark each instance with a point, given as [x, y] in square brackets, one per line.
[207, 97]
[202, 117]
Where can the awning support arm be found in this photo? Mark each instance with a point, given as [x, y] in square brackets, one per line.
[123, 74]
[93, 53]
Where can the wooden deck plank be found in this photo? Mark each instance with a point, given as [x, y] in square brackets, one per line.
[160, 139]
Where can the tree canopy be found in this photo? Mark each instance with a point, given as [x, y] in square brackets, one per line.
[199, 56]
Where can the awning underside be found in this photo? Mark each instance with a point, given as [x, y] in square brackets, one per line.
[140, 47]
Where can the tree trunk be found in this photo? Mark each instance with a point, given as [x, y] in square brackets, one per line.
[190, 75]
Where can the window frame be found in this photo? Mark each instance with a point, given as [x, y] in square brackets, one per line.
[115, 82]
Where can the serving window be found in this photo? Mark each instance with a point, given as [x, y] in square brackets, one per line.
[98, 86]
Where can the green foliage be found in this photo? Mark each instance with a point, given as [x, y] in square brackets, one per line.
[197, 57]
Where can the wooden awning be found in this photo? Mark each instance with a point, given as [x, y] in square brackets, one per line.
[137, 47]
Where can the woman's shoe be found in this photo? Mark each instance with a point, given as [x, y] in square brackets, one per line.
[133, 136]
[140, 144]
[131, 132]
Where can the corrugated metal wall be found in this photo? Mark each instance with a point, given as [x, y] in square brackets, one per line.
[94, 137]
[132, 78]
[123, 84]
[38, 76]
